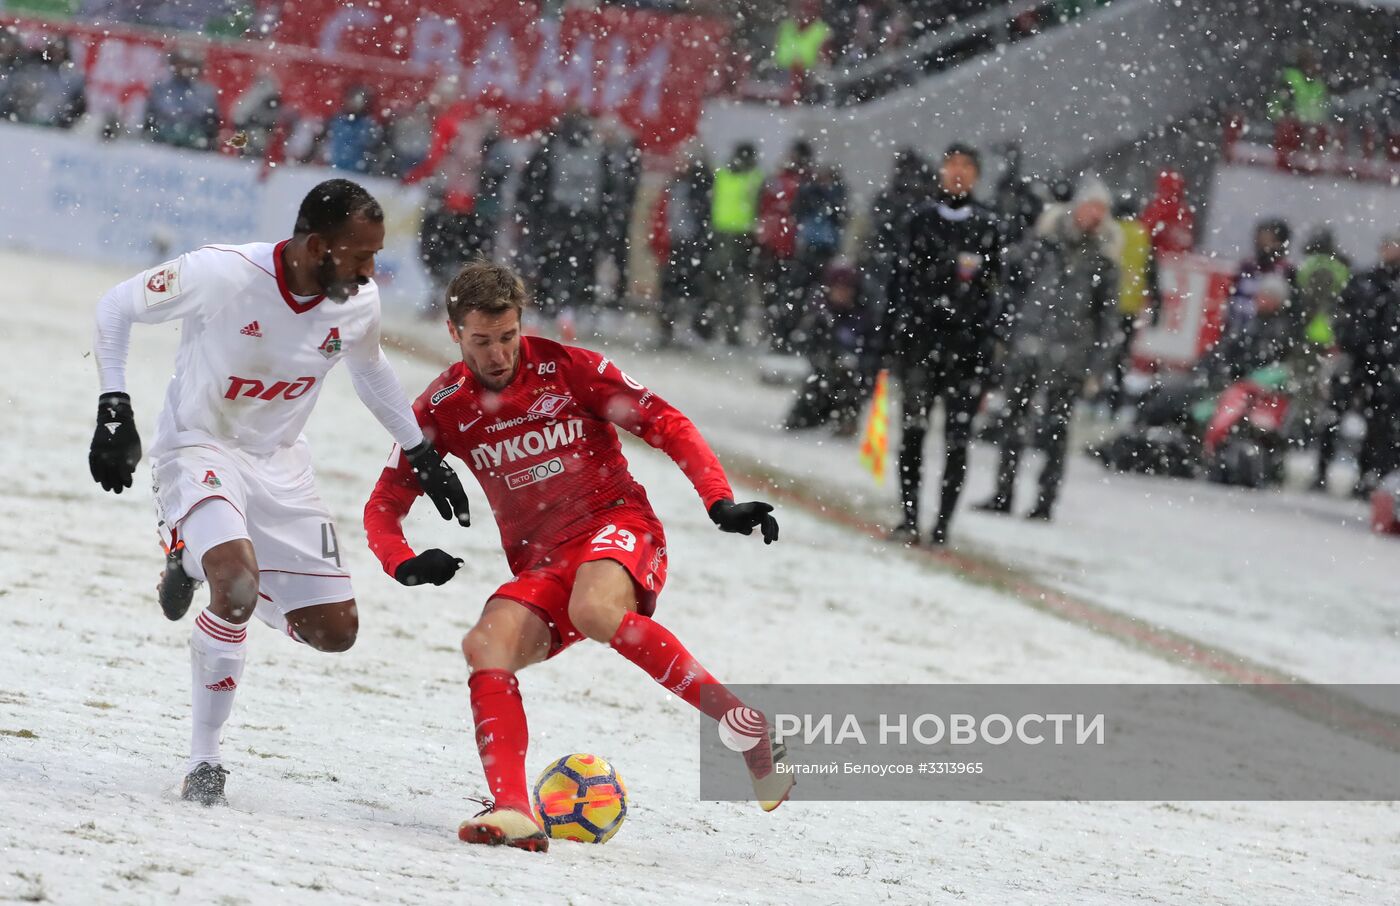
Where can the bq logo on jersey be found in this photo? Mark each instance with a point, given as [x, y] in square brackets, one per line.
[549, 404]
[330, 346]
[534, 474]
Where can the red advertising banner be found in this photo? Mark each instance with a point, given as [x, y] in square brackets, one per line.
[1195, 290]
[442, 33]
[651, 71]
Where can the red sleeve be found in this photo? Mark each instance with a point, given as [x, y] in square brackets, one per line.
[389, 503]
[609, 393]
[395, 492]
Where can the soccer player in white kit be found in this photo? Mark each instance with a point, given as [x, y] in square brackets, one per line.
[263, 324]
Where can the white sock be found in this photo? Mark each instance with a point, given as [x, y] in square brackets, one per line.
[217, 650]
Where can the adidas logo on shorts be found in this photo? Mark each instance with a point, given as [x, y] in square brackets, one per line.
[251, 330]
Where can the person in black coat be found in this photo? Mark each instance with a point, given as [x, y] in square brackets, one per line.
[681, 240]
[1369, 327]
[940, 329]
[1015, 201]
[458, 226]
[622, 168]
[910, 185]
[562, 191]
[834, 331]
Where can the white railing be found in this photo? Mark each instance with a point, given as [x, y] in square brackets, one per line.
[133, 203]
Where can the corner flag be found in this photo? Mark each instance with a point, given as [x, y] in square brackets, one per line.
[875, 442]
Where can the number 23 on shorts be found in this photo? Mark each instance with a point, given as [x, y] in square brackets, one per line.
[612, 536]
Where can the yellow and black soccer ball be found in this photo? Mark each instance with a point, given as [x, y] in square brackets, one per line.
[581, 797]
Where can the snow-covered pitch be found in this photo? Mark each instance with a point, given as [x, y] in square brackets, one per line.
[351, 772]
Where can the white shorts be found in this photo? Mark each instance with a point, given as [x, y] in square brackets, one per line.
[206, 496]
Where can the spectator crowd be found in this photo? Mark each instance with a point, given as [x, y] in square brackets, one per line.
[1008, 305]
[39, 86]
[848, 51]
[1017, 316]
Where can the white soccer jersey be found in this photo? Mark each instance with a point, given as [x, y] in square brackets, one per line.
[252, 357]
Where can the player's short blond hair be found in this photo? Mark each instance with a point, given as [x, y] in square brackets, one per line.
[484, 286]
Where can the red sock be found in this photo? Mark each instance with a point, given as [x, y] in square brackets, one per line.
[501, 736]
[651, 646]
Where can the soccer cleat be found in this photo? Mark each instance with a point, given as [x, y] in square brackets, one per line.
[504, 827]
[1041, 513]
[939, 536]
[770, 787]
[176, 589]
[205, 784]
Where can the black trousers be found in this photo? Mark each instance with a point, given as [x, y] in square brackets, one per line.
[568, 265]
[1118, 365]
[1380, 451]
[726, 303]
[957, 379]
[834, 391]
[1027, 380]
[782, 299]
[617, 245]
[682, 282]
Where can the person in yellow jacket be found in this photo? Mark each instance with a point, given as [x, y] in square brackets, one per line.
[1303, 94]
[798, 45]
[733, 215]
[1325, 385]
[1138, 296]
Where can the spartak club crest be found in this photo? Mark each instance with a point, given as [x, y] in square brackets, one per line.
[330, 346]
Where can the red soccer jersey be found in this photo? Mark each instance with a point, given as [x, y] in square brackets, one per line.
[544, 451]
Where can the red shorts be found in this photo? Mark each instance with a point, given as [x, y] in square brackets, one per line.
[637, 544]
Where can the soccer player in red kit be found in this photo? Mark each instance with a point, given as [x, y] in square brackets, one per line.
[533, 419]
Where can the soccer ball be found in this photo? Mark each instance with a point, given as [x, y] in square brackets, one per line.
[581, 797]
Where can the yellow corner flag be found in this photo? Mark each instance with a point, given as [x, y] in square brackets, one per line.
[875, 442]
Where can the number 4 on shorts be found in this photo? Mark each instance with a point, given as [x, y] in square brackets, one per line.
[330, 547]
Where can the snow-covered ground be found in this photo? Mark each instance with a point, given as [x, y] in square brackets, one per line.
[351, 772]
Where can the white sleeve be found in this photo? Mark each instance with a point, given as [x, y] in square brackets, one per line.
[379, 389]
[163, 293]
[112, 339]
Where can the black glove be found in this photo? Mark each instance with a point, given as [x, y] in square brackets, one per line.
[116, 447]
[439, 482]
[743, 518]
[432, 567]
